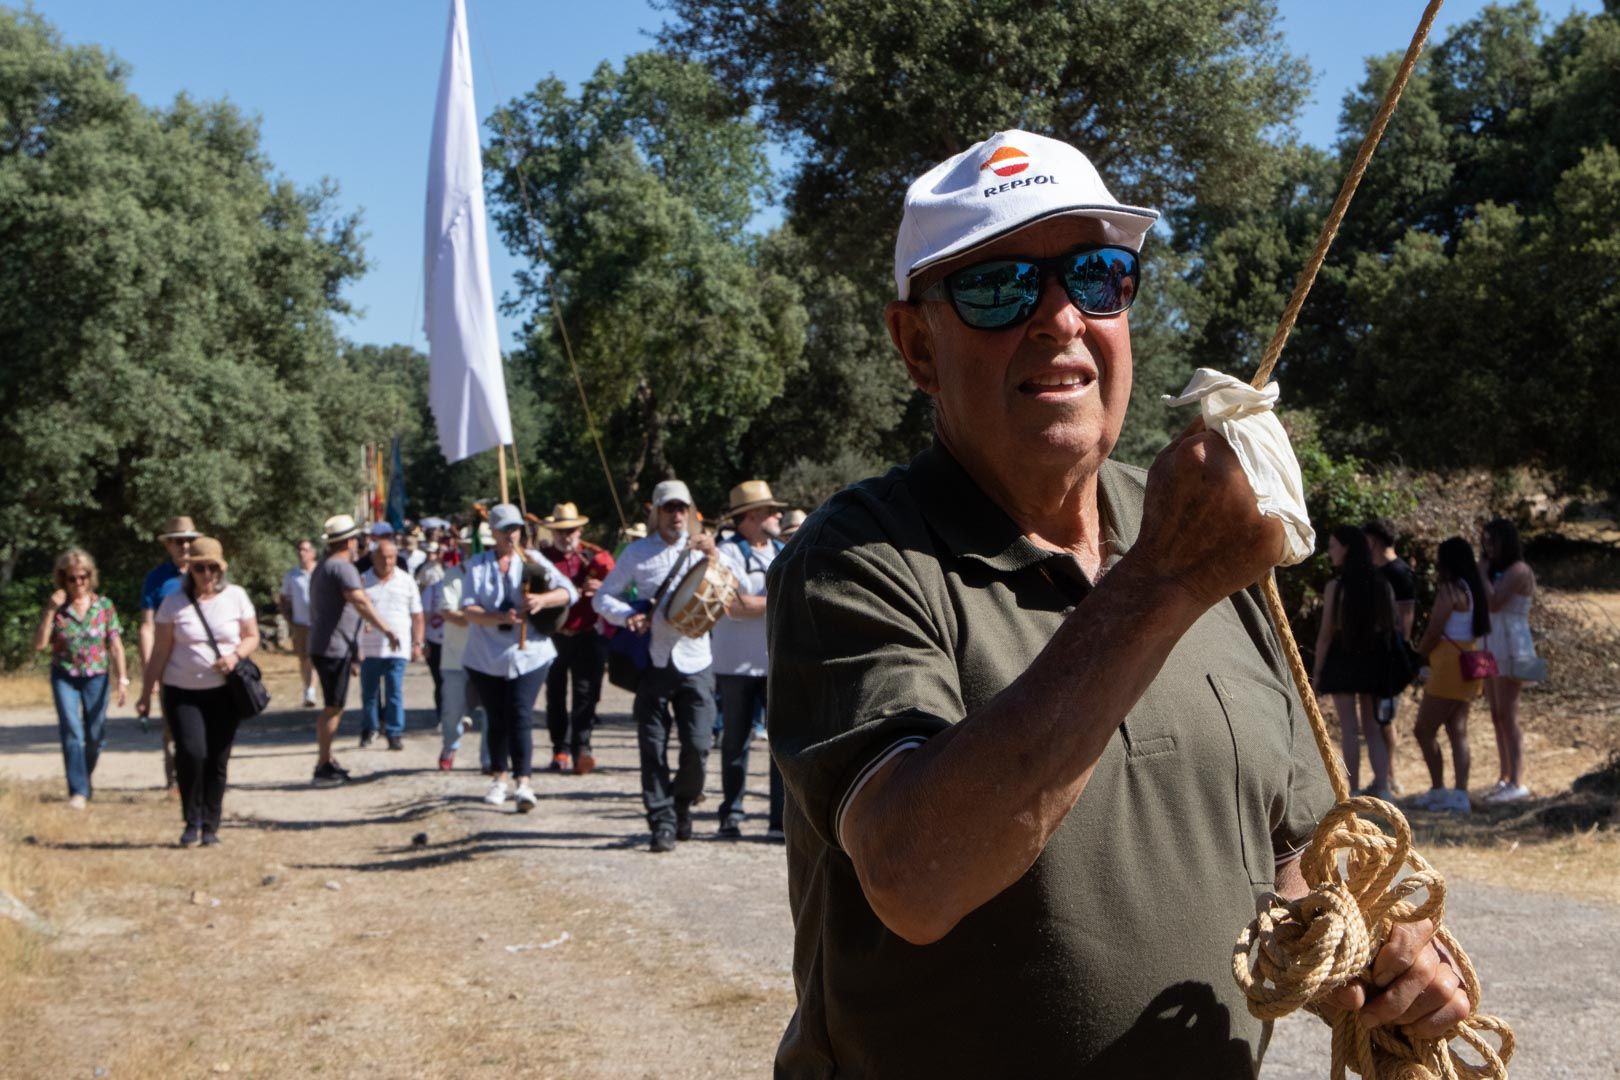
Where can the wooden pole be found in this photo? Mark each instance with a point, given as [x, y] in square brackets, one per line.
[500, 452]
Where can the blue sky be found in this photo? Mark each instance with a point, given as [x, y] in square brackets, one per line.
[345, 89]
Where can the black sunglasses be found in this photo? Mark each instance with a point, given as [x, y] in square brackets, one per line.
[1003, 293]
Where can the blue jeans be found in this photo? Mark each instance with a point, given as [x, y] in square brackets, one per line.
[459, 701]
[388, 677]
[81, 720]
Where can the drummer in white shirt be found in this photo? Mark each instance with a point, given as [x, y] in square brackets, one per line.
[382, 666]
[680, 680]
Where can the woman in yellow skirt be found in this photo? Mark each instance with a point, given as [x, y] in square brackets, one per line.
[1460, 620]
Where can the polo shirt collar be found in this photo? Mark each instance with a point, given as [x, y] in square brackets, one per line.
[974, 527]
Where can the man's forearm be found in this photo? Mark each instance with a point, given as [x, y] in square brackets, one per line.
[943, 829]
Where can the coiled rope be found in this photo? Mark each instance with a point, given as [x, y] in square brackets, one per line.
[1296, 953]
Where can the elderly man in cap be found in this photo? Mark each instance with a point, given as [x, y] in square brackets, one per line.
[1043, 756]
[505, 661]
[581, 650]
[337, 606]
[739, 650]
[680, 682]
[159, 582]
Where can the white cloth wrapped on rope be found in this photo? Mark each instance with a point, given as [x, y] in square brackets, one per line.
[1243, 416]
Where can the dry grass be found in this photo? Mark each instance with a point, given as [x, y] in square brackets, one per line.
[1584, 865]
[391, 974]
[24, 690]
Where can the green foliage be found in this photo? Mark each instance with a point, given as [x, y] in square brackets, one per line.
[166, 324]
[1172, 100]
[1467, 315]
[20, 602]
[684, 331]
[1338, 491]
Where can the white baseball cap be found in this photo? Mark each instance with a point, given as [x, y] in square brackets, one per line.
[669, 491]
[1010, 180]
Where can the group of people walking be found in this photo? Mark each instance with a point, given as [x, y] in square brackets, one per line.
[359, 605]
[1476, 641]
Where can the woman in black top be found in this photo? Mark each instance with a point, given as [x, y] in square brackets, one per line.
[1353, 652]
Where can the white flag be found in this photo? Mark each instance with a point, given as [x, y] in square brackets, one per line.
[467, 386]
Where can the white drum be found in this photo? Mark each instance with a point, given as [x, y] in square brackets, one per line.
[696, 603]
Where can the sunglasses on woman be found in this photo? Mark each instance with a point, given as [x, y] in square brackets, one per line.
[1002, 293]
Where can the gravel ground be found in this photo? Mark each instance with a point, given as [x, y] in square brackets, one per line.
[1548, 963]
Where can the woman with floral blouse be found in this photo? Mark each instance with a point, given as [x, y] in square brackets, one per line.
[82, 631]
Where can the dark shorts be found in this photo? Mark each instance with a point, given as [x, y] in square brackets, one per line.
[334, 675]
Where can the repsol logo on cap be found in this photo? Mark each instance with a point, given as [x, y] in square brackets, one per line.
[1009, 161]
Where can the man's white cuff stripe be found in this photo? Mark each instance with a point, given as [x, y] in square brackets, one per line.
[901, 746]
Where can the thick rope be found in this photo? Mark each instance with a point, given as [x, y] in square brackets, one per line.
[1296, 953]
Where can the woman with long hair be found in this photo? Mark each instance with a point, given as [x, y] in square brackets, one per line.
[1353, 648]
[1457, 625]
[82, 631]
[1510, 585]
[203, 629]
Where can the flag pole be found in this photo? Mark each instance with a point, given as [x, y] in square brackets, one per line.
[500, 458]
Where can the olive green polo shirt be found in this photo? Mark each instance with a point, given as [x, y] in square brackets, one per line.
[902, 606]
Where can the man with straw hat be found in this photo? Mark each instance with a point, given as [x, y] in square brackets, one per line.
[581, 650]
[162, 580]
[337, 605]
[740, 662]
[1042, 751]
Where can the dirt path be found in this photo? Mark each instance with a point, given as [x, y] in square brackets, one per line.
[550, 942]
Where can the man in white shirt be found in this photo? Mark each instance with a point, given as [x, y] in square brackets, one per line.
[293, 600]
[457, 702]
[382, 663]
[680, 679]
[739, 650]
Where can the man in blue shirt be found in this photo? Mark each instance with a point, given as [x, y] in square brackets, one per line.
[164, 579]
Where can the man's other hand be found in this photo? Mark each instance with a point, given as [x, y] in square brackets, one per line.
[1412, 987]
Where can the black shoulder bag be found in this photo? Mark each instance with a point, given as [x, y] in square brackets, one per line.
[245, 682]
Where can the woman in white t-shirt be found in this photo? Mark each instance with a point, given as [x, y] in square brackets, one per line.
[192, 671]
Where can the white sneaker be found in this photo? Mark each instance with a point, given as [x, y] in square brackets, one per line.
[1511, 793]
[76, 802]
[496, 795]
[526, 799]
[1495, 790]
[1457, 802]
[309, 699]
[464, 724]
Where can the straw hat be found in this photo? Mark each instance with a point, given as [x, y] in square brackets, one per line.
[205, 549]
[339, 527]
[791, 522]
[179, 528]
[565, 515]
[751, 495]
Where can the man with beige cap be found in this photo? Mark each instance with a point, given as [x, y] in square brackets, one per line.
[581, 649]
[1043, 754]
[337, 605]
[164, 579]
[678, 687]
[740, 662]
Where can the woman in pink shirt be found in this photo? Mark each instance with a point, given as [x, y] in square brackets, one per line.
[192, 673]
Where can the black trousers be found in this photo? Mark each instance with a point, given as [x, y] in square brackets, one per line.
[742, 701]
[204, 724]
[509, 718]
[581, 659]
[666, 697]
[434, 651]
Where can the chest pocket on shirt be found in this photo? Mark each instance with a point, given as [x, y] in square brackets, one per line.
[1258, 717]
